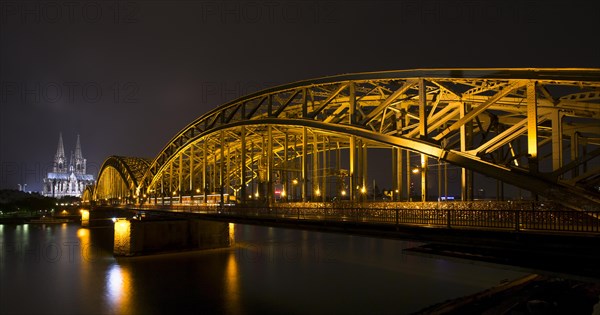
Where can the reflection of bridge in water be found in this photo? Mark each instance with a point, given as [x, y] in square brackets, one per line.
[536, 129]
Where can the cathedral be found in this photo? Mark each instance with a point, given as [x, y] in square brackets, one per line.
[67, 179]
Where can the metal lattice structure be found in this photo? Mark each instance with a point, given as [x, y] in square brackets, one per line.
[120, 177]
[538, 129]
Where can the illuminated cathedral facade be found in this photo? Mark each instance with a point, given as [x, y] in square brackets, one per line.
[68, 178]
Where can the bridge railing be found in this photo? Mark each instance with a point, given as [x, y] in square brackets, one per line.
[539, 220]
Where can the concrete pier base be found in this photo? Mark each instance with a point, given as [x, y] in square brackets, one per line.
[103, 217]
[85, 218]
[134, 237]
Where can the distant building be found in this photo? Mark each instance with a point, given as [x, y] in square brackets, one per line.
[67, 179]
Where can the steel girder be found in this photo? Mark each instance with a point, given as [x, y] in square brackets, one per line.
[509, 124]
[130, 172]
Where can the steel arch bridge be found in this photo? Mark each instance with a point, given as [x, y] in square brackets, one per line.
[537, 129]
[119, 178]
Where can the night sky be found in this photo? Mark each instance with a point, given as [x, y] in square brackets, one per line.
[127, 76]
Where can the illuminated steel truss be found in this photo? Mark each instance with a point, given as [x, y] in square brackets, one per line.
[120, 177]
[537, 129]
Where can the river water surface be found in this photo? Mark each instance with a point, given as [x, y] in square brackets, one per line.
[65, 269]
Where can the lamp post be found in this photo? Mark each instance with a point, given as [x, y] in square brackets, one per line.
[294, 183]
[415, 171]
[363, 192]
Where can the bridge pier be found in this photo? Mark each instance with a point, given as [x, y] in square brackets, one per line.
[97, 218]
[135, 237]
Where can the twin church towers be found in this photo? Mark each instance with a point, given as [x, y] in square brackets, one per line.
[68, 178]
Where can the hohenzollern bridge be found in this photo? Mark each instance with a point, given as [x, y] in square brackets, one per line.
[535, 129]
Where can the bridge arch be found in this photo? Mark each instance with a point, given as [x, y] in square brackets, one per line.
[508, 124]
[119, 178]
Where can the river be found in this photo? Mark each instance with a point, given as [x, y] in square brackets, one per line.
[66, 269]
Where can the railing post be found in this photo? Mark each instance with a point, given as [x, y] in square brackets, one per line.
[517, 224]
[396, 216]
[448, 218]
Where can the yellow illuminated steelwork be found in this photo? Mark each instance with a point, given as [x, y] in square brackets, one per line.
[476, 119]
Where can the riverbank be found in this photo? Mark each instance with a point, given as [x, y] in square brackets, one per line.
[27, 219]
[531, 294]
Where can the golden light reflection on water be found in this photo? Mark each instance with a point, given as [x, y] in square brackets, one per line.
[118, 289]
[84, 242]
[232, 285]
[83, 234]
[231, 234]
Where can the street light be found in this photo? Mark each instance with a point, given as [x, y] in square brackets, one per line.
[294, 183]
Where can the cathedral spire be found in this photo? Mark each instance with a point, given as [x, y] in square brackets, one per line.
[60, 159]
[78, 155]
[60, 151]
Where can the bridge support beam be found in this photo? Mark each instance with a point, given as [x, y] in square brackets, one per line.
[466, 140]
[557, 138]
[270, 190]
[316, 190]
[532, 132]
[424, 182]
[304, 164]
[204, 165]
[352, 163]
[397, 164]
[243, 193]
[575, 152]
